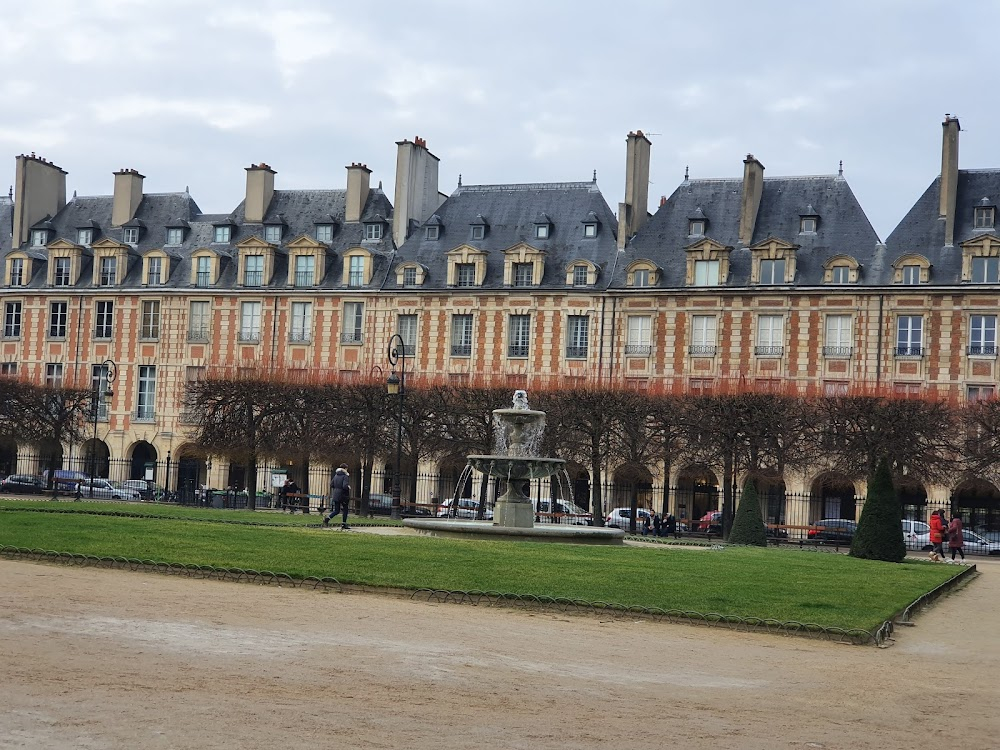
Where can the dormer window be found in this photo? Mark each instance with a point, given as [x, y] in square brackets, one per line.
[175, 236]
[130, 235]
[84, 237]
[432, 232]
[109, 271]
[373, 231]
[590, 230]
[911, 274]
[541, 231]
[524, 274]
[478, 231]
[324, 232]
[223, 233]
[410, 276]
[39, 237]
[272, 233]
[696, 228]
[580, 275]
[984, 216]
[807, 225]
[840, 275]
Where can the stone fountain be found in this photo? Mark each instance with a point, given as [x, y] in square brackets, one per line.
[517, 439]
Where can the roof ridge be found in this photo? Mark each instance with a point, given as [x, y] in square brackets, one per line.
[525, 186]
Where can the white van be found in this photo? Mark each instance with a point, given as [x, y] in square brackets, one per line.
[571, 512]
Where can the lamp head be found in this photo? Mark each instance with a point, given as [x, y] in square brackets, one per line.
[392, 384]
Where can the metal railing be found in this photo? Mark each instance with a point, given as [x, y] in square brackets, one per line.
[838, 351]
[638, 350]
[982, 350]
[248, 337]
[769, 351]
[461, 350]
[702, 350]
[253, 278]
[300, 337]
[198, 334]
[909, 351]
[517, 350]
[574, 352]
[352, 337]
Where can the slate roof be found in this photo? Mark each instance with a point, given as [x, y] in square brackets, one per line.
[843, 228]
[300, 210]
[6, 223]
[922, 230]
[510, 213]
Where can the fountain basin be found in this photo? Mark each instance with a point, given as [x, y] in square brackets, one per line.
[455, 529]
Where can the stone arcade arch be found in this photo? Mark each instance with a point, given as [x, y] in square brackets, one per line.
[96, 457]
[697, 492]
[8, 457]
[978, 503]
[631, 483]
[832, 495]
[771, 493]
[143, 458]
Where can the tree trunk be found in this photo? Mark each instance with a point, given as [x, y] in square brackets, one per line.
[252, 481]
[727, 494]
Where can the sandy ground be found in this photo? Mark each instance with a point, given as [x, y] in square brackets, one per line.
[111, 659]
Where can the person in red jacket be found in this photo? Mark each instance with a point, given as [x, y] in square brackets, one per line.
[938, 526]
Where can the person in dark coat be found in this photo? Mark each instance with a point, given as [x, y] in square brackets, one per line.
[956, 539]
[657, 525]
[340, 496]
[670, 526]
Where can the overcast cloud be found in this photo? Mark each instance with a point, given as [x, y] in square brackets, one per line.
[190, 93]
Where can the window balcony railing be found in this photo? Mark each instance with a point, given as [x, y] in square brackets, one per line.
[909, 351]
[408, 349]
[572, 352]
[517, 350]
[104, 332]
[300, 337]
[638, 350]
[303, 278]
[253, 278]
[768, 351]
[703, 350]
[144, 414]
[198, 335]
[149, 336]
[352, 337]
[982, 350]
[838, 351]
[461, 350]
[249, 337]
[203, 279]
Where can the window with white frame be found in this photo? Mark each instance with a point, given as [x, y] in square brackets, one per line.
[12, 320]
[432, 232]
[223, 233]
[770, 336]
[84, 237]
[835, 388]
[61, 272]
[519, 336]
[53, 375]
[58, 313]
[324, 232]
[175, 235]
[839, 336]
[985, 270]
[39, 237]
[840, 275]
[980, 392]
[406, 326]
[580, 275]
[250, 322]
[706, 273]
[356, 271]
[203, 271]
[578, 337]
[696, 228]
[772, 271]
[272, 233]
[253, 270]
[807, 225]
[410, 276]
[130, 235]
[104, 316]
[301, 322]
[354, 315]
[17, 271]
[911, 274]
[590, 230]
[145, 407]
[199, 321]
[8, 369]
[373, 231]
[150, 327]
[640, 277]
[461, 335]
[984, 217]
[305, 270]
[983, 335]
[523, 274]
[154, 270]
[541, 231]
[909, 336]
[703, 335]
[109, 271]
[465, 274]
[478, 231]
[637, 337]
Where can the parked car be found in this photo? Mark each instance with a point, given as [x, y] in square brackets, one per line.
[916, 534]
[63, 480]
[571, 513]
[148, 490]
[105, 490]
[977, 544]
[467, 508]
[621, 517]
[380, 504]
[22, 484]
[710, 523]
[833, 531]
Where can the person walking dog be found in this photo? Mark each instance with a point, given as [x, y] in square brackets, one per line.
[956, 539]
[340, 496]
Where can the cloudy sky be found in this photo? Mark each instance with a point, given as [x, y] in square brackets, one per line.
[190, 93]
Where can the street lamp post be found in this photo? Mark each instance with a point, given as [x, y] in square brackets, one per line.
[110, 371]
[394, 385]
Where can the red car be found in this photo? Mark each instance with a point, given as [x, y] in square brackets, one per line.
[710, 523]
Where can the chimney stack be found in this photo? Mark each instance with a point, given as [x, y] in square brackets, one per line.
[128, 196]
[260, 190]
[753, 188]
[949, 176]
[416, 196]
[358, 187]
[632, 214]
[39, 191]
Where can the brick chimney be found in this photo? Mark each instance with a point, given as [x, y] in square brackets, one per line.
[949, 176]
[260, 190]
[39, 191]
[753, 188]
[416, 196]
[128, 196]
[634, 211]
[358, 187]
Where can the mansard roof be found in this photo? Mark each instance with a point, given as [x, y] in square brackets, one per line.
[6, 222]
[921, 232]
[510, 214]
[843, 227]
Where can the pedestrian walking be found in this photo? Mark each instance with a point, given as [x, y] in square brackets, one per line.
[956, 539]
[340, 496]
[938, 524]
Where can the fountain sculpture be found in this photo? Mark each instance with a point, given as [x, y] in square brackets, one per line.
[517, 439]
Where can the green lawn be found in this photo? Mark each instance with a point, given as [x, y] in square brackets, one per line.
[787, 585]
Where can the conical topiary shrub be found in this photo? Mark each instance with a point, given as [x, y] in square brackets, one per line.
[879, 535]
[748, 524]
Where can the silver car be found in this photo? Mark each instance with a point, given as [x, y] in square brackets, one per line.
[106, 490]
